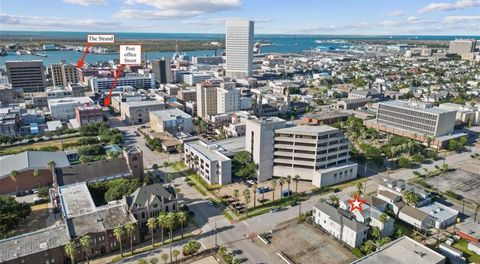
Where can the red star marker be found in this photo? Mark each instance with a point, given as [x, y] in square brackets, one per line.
[356, 203]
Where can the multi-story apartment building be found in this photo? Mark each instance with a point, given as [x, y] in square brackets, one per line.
[239, 48]
[340, 224]
[415, 120]
[316, 153]
[102, 85]
[187, 95]
[208, 162]
[64, 108]
[196, 78]
[171, 120]
[462, 46]
[206, 100]
[26, 75]
[64, 74]
[88, 115]
[259, 141]
[228, 98]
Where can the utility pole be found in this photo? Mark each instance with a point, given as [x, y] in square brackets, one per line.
[299, 209]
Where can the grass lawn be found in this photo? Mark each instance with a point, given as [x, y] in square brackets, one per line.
[37, 145]
[36, 220]
[462, 246]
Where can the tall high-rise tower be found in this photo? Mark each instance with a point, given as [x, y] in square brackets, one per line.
[239, 48]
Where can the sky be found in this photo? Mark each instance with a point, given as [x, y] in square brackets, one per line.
[330, 17]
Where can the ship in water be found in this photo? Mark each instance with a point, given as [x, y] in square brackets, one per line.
[3, 52]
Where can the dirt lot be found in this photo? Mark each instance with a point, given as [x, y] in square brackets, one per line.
[465, 180]
[268, 196]
[36, 220]
[303, 244]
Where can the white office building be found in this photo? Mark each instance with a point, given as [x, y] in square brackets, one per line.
[208, 162]
[171, 120]
[103, 85]
[64, 108]
[315, 153]
[462, 46]
[228, 98]
[239, 48]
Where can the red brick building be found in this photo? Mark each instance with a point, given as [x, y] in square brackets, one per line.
[24, 164]
[88, 115]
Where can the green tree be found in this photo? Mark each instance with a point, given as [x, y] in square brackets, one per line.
[13, 177]
[274, 187]
[376, 233]
[11, 213]
[236, 194]
[191, 248]
[383, 218]
[70, 250]
[181, 217]
[404, 162]
[118, 234]
[154, 260]
[175, 254]
[130, 228]
[169, 223]
[281, 182]
[288, 180]
[368, 247]
[86, 243]
[334, 200]
[142, 261]
[152, 224]
[162, 223]
[359, 187]
[384, 240]
[399, 232]
[296, 178]
[164, 257]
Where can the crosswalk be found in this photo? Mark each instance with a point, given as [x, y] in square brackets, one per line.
[211, 225]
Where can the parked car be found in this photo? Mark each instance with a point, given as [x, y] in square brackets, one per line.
[263, 189]
[274, 210]
[286, 193]
[209, 202]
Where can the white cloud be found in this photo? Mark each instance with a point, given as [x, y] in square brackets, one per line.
[459, 4]
[220, 22]
[86, 2]
[411, 20]
[37, 22]
[460, 19]
[168, 9]
[395, 13]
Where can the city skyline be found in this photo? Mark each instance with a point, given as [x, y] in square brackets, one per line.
[425, 17]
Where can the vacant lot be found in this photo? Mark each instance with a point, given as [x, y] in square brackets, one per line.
[465, 180]
[303, 244]
[37, 145]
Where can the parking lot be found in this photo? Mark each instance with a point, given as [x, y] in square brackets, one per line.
[302, 243]
[465, 180]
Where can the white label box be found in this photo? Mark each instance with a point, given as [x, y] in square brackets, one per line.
[100, 38]
[130, 54]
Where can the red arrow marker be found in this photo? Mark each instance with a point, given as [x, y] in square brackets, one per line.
[82, 60]
[107, 100]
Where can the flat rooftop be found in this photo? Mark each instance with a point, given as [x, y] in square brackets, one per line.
[309, 130]
[231, 146]
[202, 148]
[142, 103]
[438, 210]
[76, 200]
[403, 251]
[170, 114]
[416, 106]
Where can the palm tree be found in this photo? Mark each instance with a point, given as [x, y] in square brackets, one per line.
[274, 186]
[182, 219]
[151, 224]
[254, 187]
[383, 218]
[155, 169]
[70, 250]
[169, 223]
[296, 179]
[130, 228]
[376, 233]
[247, 198]
[164, 257]
[289, 180]
[333, 199]
[36, 173]
[359, 186]
[161, 223]
[118, 233]
[368, 246]
[175, 254]
[86, 243]
[165, 165]
[281, 182]
[13, 176]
